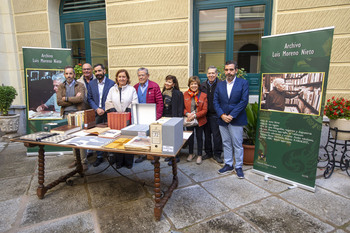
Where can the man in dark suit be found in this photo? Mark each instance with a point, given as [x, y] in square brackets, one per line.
[230, 100]
[97, 93]
[212, 127]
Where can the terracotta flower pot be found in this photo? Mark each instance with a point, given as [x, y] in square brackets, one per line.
[248, 154]
[341, 124]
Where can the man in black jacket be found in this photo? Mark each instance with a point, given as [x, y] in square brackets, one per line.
[212, 127]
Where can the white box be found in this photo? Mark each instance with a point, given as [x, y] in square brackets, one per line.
[142, 115]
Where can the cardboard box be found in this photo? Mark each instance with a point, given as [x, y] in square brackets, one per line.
[142, 115]
[167, 135]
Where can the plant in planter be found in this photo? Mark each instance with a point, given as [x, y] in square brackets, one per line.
[8, 123]
[338, 111]
[250, 132]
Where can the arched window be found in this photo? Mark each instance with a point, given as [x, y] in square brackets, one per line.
[230, 30]
[83, 29]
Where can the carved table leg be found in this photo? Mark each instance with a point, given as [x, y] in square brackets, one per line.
[78, 159]
[160, 202]
[158, 208]
[41, 173]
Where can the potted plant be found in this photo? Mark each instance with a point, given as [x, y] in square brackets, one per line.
[338, 112]
[9, 123]
[250, 132]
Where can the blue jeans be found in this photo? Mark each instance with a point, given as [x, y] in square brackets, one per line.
[232, 139]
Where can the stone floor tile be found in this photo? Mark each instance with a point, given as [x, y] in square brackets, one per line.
[322, 203]
[146, 165]
[270, 185]
[166, 178]
[15, 187]
[56, 204]
[275, 215]
[228, 222]
[337, 183]
[3, 146]
[234, 192]
[206, 171]
[137, 216]
[103, 172]
[17, 164]
[348, 228]
[79, 223]
[10, 207]
[191, 205]
[58, 162]
[51, 177]
[115, 191]
[340, 231]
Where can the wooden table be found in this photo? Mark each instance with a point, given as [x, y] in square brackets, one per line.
[159, 200]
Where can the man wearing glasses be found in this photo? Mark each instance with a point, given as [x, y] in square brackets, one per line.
[230, 100]
[148, 92]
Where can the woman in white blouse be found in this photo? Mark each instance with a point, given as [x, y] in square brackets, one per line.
[119, 99]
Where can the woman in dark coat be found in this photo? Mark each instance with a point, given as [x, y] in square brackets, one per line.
[173, 100]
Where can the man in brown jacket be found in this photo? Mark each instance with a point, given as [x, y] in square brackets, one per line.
[70, 96]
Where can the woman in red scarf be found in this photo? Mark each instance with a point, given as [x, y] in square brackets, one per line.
[195, 108]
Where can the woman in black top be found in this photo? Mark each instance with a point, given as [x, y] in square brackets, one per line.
[173, 100]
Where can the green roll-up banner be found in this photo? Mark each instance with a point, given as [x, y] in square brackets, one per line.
[43, 72]
[294, 72]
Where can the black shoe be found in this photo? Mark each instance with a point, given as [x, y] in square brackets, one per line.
[171, 161]
[141, 159]
[218, 159]
[129, 166]
[112, 159]
[152, 161]
[97, 162]
[89, 154]
[207, 156]
[118, 166]
[167, 159]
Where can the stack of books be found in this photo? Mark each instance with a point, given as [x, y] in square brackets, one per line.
[84, 119]
[118, 120]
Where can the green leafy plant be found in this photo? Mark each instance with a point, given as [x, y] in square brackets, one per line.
[7, 95]
[337, 108]
[241, 73]
[252, 118]
[78, 70]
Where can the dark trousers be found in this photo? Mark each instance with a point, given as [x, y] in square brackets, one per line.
[99, 120]
[212, 128]
[199, 136]
[124, 159]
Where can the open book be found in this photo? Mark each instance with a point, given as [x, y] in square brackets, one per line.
[139, 143]
[112, 133]
[97, 130]
[88, 141]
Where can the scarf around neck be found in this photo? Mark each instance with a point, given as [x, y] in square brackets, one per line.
[193, 94]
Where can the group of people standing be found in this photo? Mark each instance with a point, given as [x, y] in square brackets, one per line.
[218, 107]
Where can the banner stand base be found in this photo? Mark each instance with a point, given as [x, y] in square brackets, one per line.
[51, 153]
[294, 184]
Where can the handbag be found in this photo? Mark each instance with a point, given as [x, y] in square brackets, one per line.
[192, 123]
